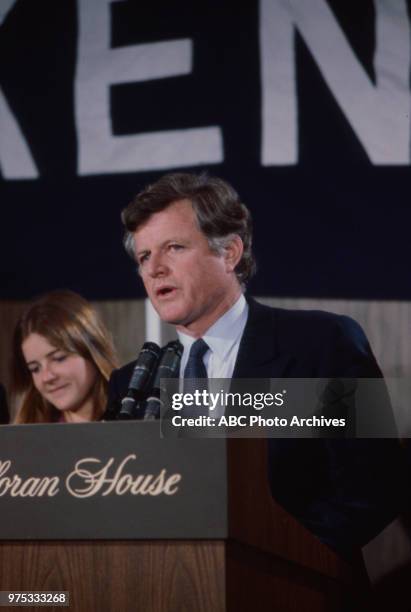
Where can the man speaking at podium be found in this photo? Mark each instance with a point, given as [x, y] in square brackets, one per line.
[191, 237]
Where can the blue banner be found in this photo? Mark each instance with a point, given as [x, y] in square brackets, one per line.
[304, 106]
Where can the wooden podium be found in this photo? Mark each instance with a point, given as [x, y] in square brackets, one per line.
[268, 561]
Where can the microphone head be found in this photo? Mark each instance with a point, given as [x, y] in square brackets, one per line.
[146, 361]
[169, 363]
[167, 368]
[142, 373]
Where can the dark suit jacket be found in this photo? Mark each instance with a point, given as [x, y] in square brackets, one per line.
[344, 490]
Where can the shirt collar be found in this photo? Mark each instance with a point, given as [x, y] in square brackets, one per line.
[224, 333]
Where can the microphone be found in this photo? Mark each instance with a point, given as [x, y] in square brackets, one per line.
[168, 368]
[143, 370]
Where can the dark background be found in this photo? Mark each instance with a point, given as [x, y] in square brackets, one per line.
[334, 225]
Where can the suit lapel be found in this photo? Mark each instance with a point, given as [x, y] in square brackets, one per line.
[258, 355]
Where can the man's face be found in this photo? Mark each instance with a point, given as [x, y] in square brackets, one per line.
[188, 284]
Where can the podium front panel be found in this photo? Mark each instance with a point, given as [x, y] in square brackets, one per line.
[110, 481]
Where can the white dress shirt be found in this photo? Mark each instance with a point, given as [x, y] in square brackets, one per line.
[223, 339]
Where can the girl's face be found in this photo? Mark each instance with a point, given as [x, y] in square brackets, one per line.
[64, 379]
